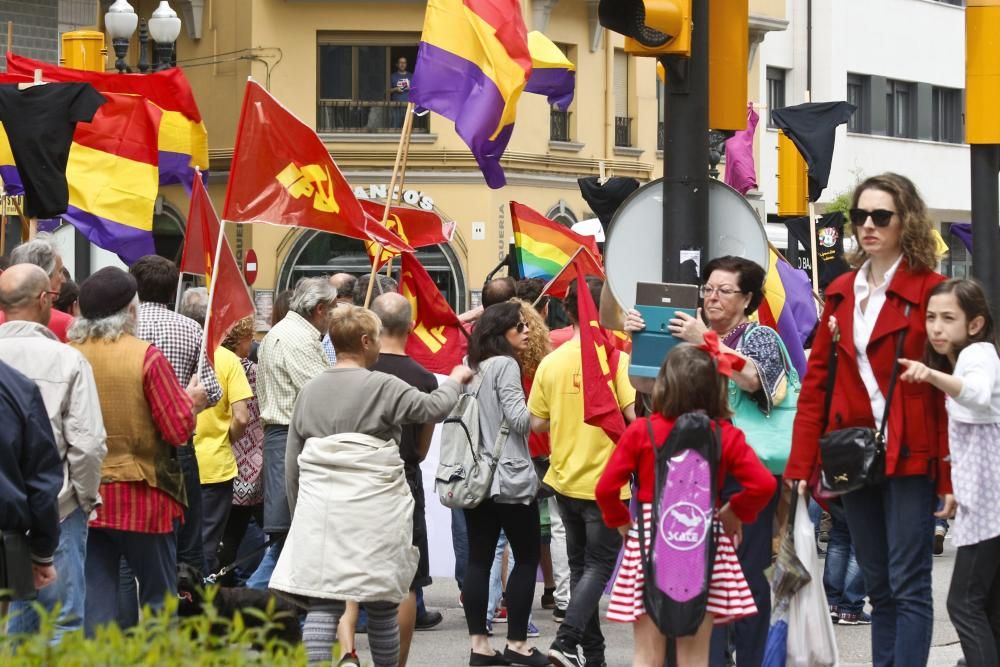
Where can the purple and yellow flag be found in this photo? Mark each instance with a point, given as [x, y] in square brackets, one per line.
[552, 74]
[472, 64]
[788, 308]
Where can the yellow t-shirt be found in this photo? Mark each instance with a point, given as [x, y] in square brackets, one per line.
[216, 461]
[579, 451]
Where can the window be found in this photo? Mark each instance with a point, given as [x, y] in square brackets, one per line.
[559, 121]
[958, 262]
[623, 123]
[775, 91]
[858, 91]
[357, 85]
[900, 108]
[946, 115]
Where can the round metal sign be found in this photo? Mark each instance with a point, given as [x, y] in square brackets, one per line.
[250, 266]
[634, 249]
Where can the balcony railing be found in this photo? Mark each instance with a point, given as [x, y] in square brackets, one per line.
[363, 116]
[558, 125]
[623, 131]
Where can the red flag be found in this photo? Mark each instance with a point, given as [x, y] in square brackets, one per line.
[599, 362]
[229, 301]
[437, 341]
[581, 262]
[282, 174]
[414, 226]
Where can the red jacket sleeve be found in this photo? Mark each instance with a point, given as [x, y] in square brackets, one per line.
[809, 415]
[742, 463]
[169, 403]
[623, 462]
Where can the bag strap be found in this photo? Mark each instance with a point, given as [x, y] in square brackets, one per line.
[892, 380]
[831, 377]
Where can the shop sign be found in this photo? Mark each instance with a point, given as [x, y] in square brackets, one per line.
[411, 197]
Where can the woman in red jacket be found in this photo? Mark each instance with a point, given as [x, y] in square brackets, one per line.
[892, 523]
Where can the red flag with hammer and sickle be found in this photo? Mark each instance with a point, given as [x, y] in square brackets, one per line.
[437, 341]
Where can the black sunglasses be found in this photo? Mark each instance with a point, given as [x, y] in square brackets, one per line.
[880, 217]
[521, 326]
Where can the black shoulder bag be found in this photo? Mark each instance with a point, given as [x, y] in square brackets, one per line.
[854, 457]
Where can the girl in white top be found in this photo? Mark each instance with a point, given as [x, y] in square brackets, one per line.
[963, 362]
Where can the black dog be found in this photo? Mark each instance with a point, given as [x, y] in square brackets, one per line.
[228, 601]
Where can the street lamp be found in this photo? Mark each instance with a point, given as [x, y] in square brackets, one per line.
[164, 28]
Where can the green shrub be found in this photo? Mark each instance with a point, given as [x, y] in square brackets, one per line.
[161, 638]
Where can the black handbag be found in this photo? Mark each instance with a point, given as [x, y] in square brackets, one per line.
[854, 457]
[17, 581]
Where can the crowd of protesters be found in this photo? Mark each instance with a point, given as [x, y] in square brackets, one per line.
[126, 454]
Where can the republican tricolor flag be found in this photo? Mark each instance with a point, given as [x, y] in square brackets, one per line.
[472, 64]
[788, 308]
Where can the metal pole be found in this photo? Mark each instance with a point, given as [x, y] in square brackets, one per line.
[985, 163]
[685, 153]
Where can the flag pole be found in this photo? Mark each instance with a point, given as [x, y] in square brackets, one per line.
[211, 295]
[815, 294]
[177, 294]
[407, 134]
[397, 168]
[556, 277]
[812, 245]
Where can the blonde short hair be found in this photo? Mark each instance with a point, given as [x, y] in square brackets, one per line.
[349, 324]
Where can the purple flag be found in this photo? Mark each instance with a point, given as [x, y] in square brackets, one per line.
[740, 172]
[963, 230]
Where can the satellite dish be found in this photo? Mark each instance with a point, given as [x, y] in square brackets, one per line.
[590, 227]
[633, 252]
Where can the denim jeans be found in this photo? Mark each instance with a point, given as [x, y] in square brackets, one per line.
[842, 579]
[69, 588]
[592, 549]
[893, 529]
[749, 636]
[460, 544]
[974, 601]
[153, 557]
[261, 577]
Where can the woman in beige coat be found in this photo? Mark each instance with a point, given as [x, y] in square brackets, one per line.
[350, 537]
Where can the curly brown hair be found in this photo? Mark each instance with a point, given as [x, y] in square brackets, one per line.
[917, 229]
[538, 339]
[241, 330]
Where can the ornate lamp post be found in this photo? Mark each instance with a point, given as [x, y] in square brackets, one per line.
[164, 28]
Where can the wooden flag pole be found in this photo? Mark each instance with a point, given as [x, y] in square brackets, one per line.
[177, 296]
[397, 169]
[407, 134]
[211, 295]
[812, 245]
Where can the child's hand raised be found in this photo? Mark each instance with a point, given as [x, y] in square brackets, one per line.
[915, 371]
[731, 525]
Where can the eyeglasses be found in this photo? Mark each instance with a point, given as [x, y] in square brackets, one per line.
[880, 217]
[522, 327]
[707, 290]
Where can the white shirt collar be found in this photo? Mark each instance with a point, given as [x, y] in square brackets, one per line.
[861, 279]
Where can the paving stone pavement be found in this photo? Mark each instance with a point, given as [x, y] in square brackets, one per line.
[447, 644]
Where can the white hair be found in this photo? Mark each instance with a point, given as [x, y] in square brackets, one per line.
[109, 328]
[40, 251]
[311, 292]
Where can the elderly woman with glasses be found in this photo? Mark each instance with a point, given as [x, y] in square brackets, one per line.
[500, 338]
[731, 293]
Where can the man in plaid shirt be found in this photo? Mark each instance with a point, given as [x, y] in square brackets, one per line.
[290, 355]
[179, 339]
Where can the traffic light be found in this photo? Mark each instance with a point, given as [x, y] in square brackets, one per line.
[728, 45]
[83, 49]
[793, 179]
[651, 27]
[982, 72]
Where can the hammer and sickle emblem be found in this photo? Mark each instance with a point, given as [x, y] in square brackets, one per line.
[434, 337]
[310, 181]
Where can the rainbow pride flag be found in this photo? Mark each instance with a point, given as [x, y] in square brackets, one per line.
[472, 64]
[788, 308]
[182, 140]
[552, 74]
[543, 247]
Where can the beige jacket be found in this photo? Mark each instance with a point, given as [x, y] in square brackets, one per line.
[352, 522]
[66, 382]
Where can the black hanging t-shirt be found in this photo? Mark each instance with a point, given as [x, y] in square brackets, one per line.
[40, 122]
